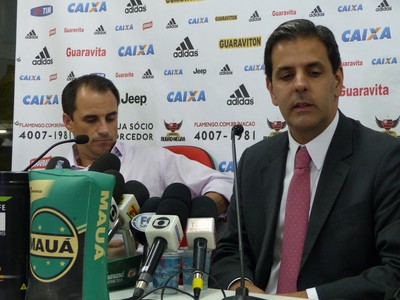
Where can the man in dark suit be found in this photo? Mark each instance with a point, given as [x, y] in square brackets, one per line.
[351, 248]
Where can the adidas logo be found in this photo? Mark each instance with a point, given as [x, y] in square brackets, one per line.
[31, 35]
[71, 76]
[317, 12]
[225, 70]
[135, 6]
[100, 30]
[185, 49]
[171, 24]
[43, 58]
[148, 75]
[384, 6]
[255, 17]
[240, 97]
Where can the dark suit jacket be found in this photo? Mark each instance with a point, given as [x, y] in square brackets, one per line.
[352, 248]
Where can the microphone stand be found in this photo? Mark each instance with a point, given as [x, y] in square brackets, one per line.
[80, 139]
[242, 292]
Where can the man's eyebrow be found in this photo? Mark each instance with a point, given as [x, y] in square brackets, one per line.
[309, 65]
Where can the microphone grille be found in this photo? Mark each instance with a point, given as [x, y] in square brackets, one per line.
[107, 161]
[174, 207]
[82, 139]
[237, 129]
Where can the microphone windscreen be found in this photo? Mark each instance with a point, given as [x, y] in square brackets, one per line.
[107, 161]
[174, 207]
[150, 205]
[138, 189]
[203, 207]
[82, 139]
[237, 129]
[178, 191]
[119, 185]
[139, 223]
[58, 162]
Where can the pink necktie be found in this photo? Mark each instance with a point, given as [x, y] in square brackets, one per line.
[295, 225]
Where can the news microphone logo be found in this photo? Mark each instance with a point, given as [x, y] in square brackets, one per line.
[161, 222]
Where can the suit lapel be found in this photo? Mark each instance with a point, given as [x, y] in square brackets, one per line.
[334, 173]
[274, 172]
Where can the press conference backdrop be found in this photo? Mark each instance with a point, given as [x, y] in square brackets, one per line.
[189, 70]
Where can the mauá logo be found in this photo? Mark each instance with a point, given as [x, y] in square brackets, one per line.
[53, 244]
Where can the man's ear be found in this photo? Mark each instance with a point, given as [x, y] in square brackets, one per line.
[271, 91]
[67, 121]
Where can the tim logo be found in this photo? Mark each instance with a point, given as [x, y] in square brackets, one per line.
[387, 125]
[42, 11]
[276, 126]
[173, 135]
[185, 49]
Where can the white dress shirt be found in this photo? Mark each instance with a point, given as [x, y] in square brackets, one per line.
[317, 148]
[157, 167]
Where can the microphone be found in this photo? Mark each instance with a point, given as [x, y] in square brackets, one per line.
[118, 186]
[180, 191]
[200, 235]
[117, 218]
[58, 162]
[79, 139]
[105, 162]
[164, 232]
[139, 222]
[241, 293]
[138, 189]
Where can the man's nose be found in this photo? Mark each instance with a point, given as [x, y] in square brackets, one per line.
[103, 127]
[301, 84]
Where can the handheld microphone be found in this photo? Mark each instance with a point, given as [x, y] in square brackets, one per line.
[139, 222]
[107, 161]
[138, 189]
[164, 232]
[241, 293]
[178, 190]
[200, 235]
[58, 162]
[118, 186]
[79, 139]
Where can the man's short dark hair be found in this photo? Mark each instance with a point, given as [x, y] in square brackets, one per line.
[94, 82]
[302, 28]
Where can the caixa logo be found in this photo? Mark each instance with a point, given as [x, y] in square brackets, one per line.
[136, 50]
[225, 166]
[40, 100]
[53, 244]
[186, 96]
[87, 7]
[29, 77]
[384, 61]
[366, 34]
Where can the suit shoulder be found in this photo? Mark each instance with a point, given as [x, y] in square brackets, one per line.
[269, 143]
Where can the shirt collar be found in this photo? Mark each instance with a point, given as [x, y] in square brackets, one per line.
[73, 156]
[318, 147]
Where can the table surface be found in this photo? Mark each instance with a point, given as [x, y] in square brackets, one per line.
[209, 294]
